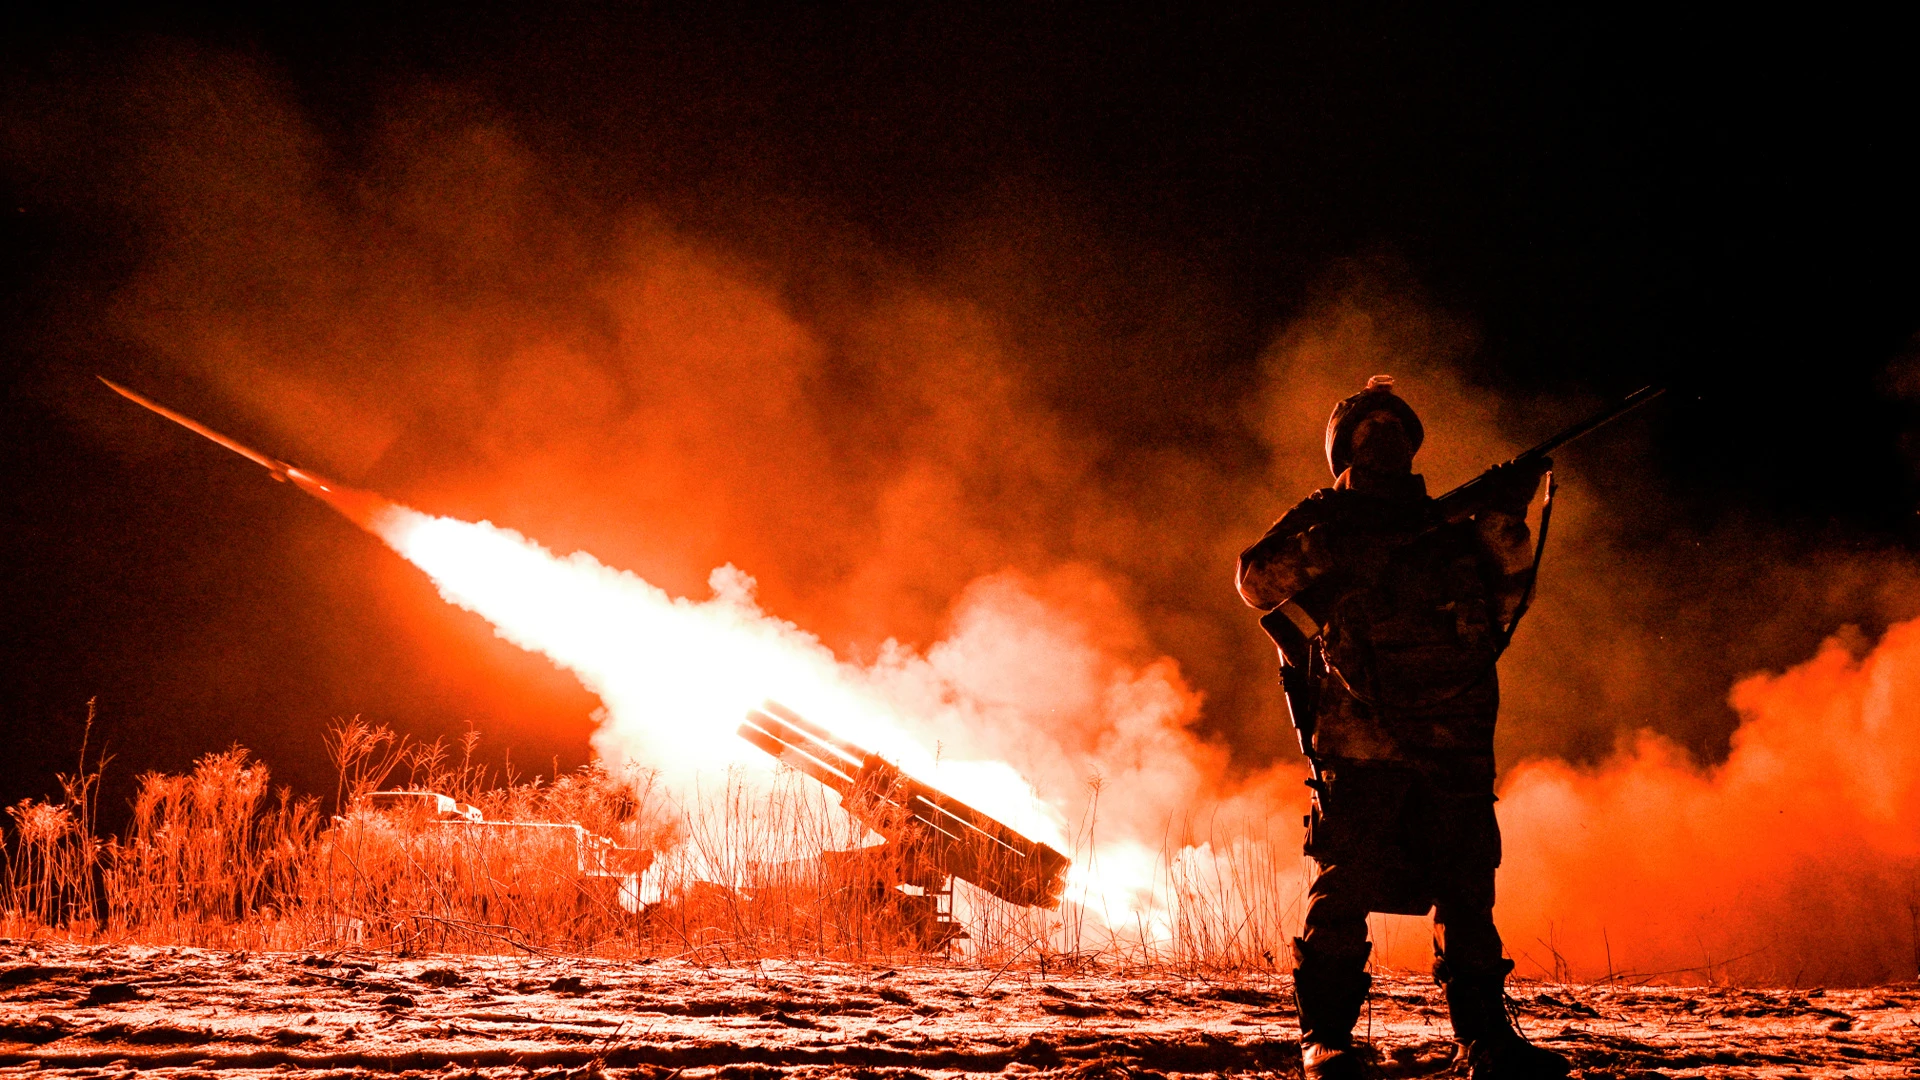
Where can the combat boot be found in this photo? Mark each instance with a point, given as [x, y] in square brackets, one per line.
[1485, 1032]
[1328, 995]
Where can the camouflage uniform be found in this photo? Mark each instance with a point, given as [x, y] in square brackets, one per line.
[1407, 696]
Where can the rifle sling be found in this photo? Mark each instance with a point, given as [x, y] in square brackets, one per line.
[1533, 575]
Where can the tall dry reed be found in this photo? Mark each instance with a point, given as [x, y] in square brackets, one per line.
[209, 855]
[217, 857]
[54, 857]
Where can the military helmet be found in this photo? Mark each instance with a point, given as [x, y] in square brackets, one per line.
[1377, 397]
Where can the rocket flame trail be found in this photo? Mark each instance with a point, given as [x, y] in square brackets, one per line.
[675, 675]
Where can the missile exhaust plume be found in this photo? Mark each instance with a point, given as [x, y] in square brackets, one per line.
[675, 674]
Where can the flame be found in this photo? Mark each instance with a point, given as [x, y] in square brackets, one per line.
[676, 675]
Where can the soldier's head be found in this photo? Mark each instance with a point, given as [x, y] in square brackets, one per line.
[1375, 430]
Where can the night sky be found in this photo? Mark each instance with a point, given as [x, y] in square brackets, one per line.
[1723, 208]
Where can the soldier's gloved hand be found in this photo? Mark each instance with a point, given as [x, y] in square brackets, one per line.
[1513, 484]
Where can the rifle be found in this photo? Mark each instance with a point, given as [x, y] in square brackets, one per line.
[929, 824]
[1301, 618]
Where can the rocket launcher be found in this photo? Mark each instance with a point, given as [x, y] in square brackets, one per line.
[933, 826]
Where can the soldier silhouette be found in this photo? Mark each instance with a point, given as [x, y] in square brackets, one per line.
[1405, 695]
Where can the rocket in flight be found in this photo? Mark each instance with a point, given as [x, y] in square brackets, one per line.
[358, 506]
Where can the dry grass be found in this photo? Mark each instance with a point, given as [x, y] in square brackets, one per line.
[216, 857]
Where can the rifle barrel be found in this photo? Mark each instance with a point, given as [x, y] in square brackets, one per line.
[1627, 404]
[1459, 503]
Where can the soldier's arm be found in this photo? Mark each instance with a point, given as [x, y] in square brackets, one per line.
[1506, 548]
[1285, 560]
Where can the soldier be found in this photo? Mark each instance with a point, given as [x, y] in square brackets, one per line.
[1406, 696]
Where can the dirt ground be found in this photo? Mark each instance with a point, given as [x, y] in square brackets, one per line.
[114, 1011]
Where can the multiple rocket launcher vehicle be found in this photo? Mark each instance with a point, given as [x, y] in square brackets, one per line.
[936, 834]
[931, 836]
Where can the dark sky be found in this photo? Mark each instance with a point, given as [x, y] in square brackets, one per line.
[1722, 207]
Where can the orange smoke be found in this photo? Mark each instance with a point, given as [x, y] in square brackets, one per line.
[1795, 861]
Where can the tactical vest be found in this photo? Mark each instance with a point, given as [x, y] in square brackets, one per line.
[1410, 647]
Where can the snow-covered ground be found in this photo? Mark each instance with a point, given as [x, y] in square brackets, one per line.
[114, 1011]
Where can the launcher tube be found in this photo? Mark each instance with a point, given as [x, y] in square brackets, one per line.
[953, 836]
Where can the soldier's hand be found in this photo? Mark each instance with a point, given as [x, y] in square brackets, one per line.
[1514, 484]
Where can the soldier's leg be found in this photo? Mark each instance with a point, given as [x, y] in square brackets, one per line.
[1468, 962]
[1335, 928]
[1330, 980]
[1470, 966]
[1330, 956]
[1463, 850]
[1351, 827]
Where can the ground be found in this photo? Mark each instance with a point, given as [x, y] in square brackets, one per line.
[115, 1010]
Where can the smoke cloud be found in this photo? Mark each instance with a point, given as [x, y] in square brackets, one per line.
[1021, 519]
[1796, 860]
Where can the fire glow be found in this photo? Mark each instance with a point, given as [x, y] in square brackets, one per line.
[676, 675]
